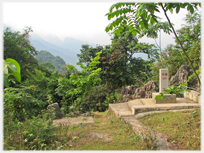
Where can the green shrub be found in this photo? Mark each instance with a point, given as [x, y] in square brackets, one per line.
[33, 134]
[21, 105]
[94, 100]
[73, 89]
[114, 97]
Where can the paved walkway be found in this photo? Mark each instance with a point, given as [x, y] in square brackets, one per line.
[132, 110]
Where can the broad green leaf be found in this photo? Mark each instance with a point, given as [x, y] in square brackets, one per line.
[117, 13]
[117, 31]
[145, 24]
[160, 96]
[181, 91]
[5, 74]
[107, 14]
[142, 25]
[148, 18]
[134, 32]
[177, 9]
[144, 14]
[190, 8]
[15, 63]
[152, 20]
[171, 10]
[14, 68]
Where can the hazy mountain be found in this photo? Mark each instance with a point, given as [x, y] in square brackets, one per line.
[53, 40]
[56, 61]
[67, 50]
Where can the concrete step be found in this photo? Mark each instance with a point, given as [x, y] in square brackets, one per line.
[160, 107]
[120, 109]
[134, 103]
[136, 106]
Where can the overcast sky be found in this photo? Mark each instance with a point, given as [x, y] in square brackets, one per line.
[83, 20]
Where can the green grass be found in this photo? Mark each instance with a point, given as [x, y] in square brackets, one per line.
[120, 135]
[181, 128]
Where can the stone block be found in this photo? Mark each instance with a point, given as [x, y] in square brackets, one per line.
[168, 98]
[199, 99]
[193, 95]
[58, 112]
[186, 94]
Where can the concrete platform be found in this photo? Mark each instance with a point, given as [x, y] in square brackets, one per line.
[134, 103]
[136, 106]
[120, 109]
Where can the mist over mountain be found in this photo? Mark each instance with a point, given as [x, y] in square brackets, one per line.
[67, 50]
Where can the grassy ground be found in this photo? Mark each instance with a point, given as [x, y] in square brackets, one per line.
[181, 128]
[107, 133]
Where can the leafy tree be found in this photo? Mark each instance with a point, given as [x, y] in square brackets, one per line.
[46, 65]
[117, 62]
[79, 84]
[121, 63]
[17, 46]
[190, 37]
[87, 53]
[138, 16]
[44, 85]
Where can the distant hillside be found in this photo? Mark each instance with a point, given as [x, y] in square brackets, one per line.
[56, 61]
[67, 50]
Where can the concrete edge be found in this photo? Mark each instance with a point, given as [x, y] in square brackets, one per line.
[164, 108]
[154, 112]
[193, 95]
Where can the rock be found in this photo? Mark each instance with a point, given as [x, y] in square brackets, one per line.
[58, 112]
[78, 113]
[75, 114]
[182, 75]
[146, 90]
[133, 92]
[88, 114]
[129, 90]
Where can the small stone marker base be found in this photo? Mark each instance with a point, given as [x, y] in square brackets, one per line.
[168, 98]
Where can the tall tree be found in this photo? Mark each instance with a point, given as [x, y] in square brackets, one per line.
[190, 37]
[18, 47]
[139, 16]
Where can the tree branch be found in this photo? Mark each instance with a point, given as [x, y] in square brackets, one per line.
[190, 63]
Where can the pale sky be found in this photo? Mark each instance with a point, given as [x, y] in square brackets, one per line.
[83, 20]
